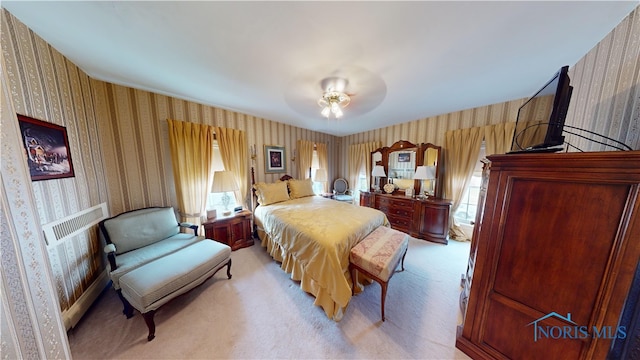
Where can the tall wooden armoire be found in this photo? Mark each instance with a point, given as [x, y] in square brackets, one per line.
[553, 257]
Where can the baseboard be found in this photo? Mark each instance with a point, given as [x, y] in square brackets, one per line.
[71, 316]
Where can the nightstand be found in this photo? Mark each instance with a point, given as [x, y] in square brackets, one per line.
[327, 195]
[233, 230]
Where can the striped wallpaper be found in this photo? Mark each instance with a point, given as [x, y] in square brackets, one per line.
[118, 135]
[46, 86]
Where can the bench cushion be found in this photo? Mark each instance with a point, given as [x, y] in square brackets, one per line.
[380, 252]
[136, 258]
[152, 285]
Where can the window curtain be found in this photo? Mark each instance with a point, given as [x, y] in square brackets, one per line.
[323, 161]
[305, 158]
[359, 153]
[234, 151]
[498, 138]
[353, 165]
[192, 157]
[462, 149]
[368, 149]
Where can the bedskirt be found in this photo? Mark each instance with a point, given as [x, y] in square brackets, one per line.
[319, 260]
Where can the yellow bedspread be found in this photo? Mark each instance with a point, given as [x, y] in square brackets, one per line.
[312, 237]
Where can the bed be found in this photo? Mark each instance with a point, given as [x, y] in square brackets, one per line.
[311, 237]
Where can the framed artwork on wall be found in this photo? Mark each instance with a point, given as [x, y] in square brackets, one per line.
[274, 159]
[46, 148]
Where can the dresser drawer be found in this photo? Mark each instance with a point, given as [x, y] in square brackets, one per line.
[399, 222]
[395, 201]
[401, 211]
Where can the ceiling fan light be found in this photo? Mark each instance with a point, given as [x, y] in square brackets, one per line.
[333, 99]
[335, 107]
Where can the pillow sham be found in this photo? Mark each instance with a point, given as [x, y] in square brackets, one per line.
[271, 193]
[300, 188]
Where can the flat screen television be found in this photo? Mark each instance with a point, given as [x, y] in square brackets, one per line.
[540, 119]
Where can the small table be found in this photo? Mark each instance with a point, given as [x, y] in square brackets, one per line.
[233, 230]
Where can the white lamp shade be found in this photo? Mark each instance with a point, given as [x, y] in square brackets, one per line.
[425, 173]
[223, 181]
[320, 175]
[378, 170]
[431, 172]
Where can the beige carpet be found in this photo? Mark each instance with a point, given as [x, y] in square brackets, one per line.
[262, 314]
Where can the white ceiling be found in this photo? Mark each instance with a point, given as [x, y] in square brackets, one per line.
[404, 60]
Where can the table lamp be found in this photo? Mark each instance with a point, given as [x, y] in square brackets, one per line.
[223, 182]
[378, 172]
[424, 173]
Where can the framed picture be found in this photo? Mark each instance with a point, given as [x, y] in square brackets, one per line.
[47, 149]
[274, 159]
[404, 157]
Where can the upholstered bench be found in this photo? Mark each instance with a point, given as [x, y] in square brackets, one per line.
[378, 255]
[154, 284]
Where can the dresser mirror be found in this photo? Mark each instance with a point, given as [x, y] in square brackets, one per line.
[402, 167]
[400, 161]
[431, 161]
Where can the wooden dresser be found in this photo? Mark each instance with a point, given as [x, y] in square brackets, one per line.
[553, 256]
[423, 219]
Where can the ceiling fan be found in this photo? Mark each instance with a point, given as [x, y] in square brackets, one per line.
[336, 86]
[335, 98]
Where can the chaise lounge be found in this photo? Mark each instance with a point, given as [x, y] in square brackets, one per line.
[151, 261]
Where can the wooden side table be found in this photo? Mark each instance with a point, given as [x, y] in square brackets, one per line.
[234, 230]
[327, 195]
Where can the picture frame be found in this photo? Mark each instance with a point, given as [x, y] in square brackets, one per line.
[404, 157]
[46, 148]
[274, 159]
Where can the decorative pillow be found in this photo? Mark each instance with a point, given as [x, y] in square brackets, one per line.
[300, 188]
[271, 193]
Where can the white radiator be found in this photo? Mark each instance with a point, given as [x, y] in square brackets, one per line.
[57, 232]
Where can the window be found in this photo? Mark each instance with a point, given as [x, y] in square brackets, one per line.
[466, 212]
[318, 187]
[214, 200]
[362, 179]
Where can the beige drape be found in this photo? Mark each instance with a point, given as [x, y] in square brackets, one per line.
[305, 158]
[359, 155]
[498, 138]
[323, 161]
[462, 149]
[368, 148]
[192, 157]
[234, 151]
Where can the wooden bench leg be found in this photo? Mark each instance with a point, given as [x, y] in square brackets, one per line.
[128, 309]
[148, 319]
[403, 255]
[229, 269]
[354, 280]
[383, 296]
